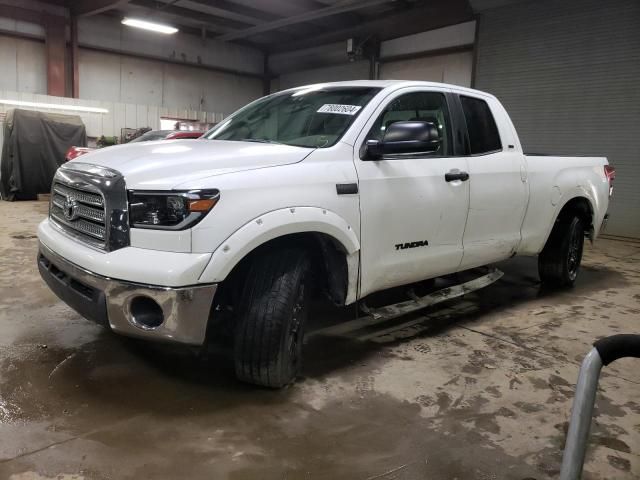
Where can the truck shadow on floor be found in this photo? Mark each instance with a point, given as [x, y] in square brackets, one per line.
[327, 353]
[519, 286]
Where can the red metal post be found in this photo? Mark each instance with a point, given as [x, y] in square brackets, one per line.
[55, 49]
[75, 79]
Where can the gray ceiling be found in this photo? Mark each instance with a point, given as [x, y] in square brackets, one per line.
[280, 25]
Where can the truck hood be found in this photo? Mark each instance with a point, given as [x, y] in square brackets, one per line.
[165, 164]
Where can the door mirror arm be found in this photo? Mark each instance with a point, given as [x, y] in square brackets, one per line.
[374, 150]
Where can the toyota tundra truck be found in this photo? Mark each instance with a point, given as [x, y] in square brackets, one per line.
[346, 188]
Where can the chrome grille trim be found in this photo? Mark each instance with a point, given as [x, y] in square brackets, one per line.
[89, 204]
[90, 213]
[90, 198]
[87, 220]
[81, 225]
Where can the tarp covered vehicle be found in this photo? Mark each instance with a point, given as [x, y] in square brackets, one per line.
[34, 147]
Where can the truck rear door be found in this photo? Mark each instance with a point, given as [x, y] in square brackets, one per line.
[498, 188]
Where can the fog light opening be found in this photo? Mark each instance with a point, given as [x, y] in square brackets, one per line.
[146, 313]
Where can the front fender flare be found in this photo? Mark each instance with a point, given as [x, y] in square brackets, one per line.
[277, 224]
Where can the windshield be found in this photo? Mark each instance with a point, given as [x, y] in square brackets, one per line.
[153, 135]
[314, 117]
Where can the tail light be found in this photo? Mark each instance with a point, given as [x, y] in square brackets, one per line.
[75, 152]
[610, 174]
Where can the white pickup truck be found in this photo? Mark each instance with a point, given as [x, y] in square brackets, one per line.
[361, 185]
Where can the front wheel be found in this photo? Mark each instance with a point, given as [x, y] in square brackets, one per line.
[270, 329]
[559, 261]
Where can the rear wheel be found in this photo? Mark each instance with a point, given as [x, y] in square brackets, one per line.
[270, 327]
[559, 261]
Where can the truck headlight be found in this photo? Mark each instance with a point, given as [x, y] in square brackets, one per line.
[170, 210]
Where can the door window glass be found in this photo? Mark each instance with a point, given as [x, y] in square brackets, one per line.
[482, 129]
[422, 106]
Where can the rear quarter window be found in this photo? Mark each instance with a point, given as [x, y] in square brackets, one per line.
[481, 126]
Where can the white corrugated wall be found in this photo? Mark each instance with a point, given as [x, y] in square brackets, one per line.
[452, 68]
[121, 115]
[568, 74]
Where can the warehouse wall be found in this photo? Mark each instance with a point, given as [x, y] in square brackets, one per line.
[567, 72]
[175, 71]
[334, 73]
[109, 34]
[136, 91]
[323, 63]
[119, 78]
[452, 36]
[454, 68]
[178, 71]
[24, 65]
[443, 54]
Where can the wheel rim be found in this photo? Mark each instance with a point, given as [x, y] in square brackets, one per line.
[295, 327]
[575, 253]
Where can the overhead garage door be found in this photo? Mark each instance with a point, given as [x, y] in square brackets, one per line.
[450, 68]
[567, 72]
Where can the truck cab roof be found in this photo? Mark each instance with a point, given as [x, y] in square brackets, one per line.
[392, 85]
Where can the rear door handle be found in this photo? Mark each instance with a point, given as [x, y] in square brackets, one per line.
[452, 176]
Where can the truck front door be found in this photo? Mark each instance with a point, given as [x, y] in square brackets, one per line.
[412, 214]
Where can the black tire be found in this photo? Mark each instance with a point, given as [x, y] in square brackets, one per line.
[559, 261]
[269, 331]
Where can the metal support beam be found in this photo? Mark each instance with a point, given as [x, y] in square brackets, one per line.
[23, 14]
[232, 11]
[372, 51]
[55, 45]
[75, 61]
[213, 23]
[474, 65]
[173, 61]
[341, 7]
[287, 8]
[249, 16]
[85, 8]
[266, 75]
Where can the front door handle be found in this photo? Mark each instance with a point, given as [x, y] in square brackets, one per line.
[451, 176]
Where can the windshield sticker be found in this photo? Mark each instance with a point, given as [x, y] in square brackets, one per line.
[339, 109]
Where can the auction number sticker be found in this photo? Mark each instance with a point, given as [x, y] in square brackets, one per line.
[339, 109]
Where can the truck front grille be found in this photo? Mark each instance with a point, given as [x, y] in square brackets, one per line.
[79, 212]
[89, 203]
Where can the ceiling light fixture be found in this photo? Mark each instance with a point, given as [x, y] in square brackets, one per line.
[54, 106]
[152, 26]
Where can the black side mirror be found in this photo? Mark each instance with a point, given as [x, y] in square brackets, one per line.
[405, 137]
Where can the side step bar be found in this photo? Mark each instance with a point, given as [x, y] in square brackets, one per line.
[395, 310]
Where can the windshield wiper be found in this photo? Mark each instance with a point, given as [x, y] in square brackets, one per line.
[259, 140]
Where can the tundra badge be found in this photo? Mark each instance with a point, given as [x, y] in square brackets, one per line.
[420, 243]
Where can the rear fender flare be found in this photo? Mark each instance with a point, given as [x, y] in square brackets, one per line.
[569, 195]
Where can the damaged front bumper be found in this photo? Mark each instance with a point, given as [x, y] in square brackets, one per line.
[145, 311]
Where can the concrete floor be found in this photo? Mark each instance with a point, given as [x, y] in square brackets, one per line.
[480, 389]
